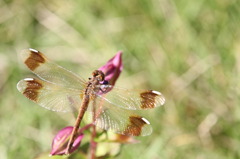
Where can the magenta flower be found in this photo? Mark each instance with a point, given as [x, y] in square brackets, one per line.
[113, 68]
[60, 141]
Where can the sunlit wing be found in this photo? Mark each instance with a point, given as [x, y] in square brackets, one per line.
[131, 99]
[49, 95]
[121, 121]
[50, 71]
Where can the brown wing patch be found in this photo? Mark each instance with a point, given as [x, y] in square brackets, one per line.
[148, 99]
[34, 60]
[32, 89]
[135, 126]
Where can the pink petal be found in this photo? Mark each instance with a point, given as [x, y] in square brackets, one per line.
[113, 68]
[60, 141]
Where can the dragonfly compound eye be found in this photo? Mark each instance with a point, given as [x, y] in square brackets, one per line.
[99, 74]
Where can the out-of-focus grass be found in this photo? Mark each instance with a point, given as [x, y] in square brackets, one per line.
[188, 50]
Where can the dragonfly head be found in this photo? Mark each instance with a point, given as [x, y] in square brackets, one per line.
[99, 75]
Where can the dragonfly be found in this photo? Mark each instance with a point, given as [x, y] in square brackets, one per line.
[58, 89]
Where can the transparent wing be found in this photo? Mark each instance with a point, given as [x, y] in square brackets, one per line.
[50, 71]
[121, 121]
[50, 95]
[131, 99]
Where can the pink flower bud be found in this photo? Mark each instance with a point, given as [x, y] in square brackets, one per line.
[113, 68]
[60, 141]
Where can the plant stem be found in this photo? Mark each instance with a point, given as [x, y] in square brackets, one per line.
[93, 144]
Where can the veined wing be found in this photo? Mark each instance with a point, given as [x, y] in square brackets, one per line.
[121, 121]
[49, 95]
[131, 99]
[50, 71]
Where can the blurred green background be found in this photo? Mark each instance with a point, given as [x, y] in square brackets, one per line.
[189, 50]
